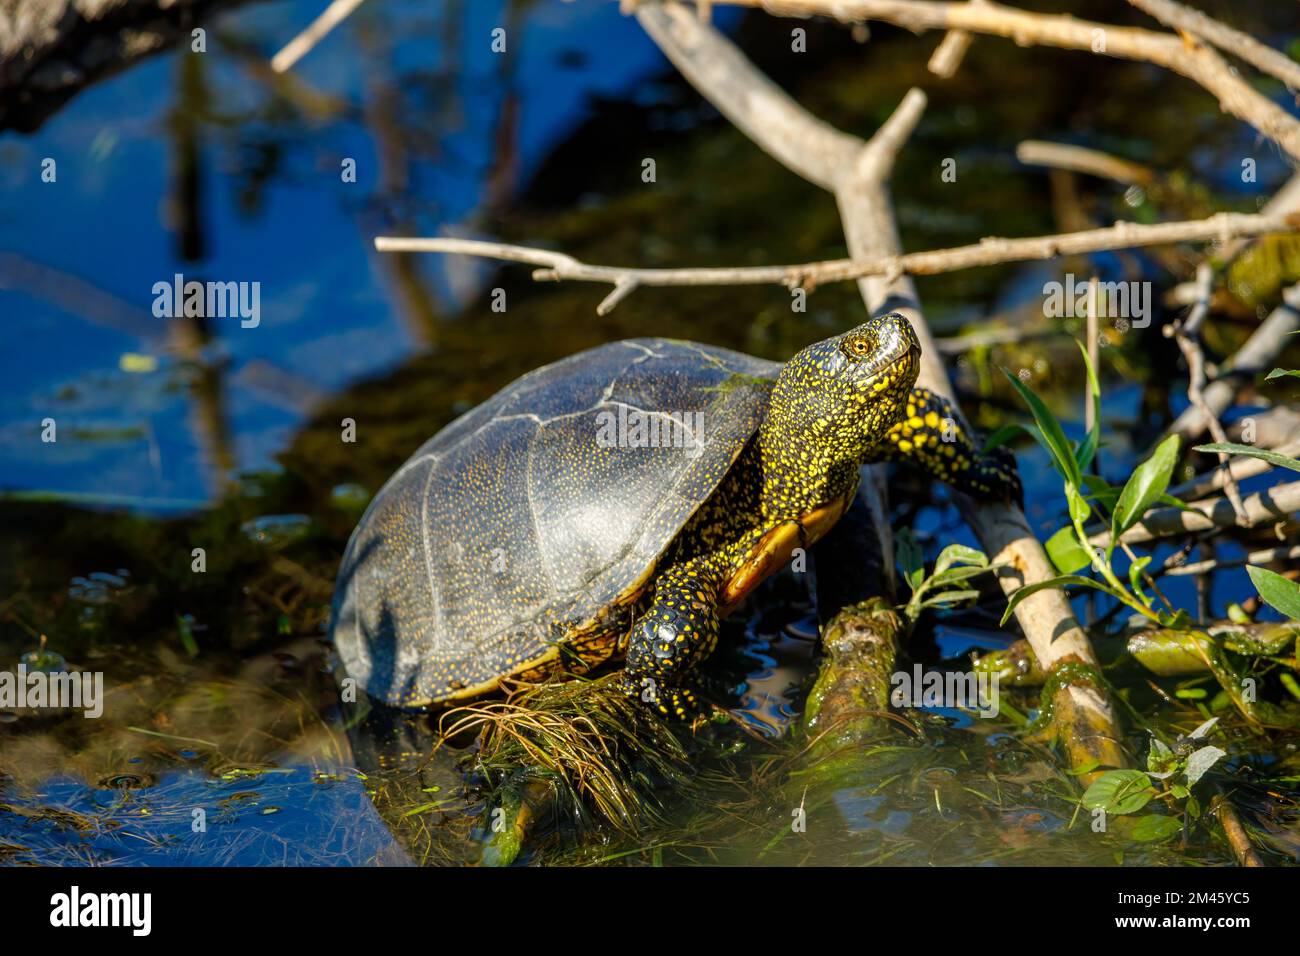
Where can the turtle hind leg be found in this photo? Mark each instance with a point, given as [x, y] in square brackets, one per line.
[673, 637]
[934, 436]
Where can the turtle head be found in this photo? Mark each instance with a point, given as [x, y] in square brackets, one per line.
[835, 400]
[874, 367]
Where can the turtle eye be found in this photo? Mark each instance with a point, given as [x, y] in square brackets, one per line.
[857, 347]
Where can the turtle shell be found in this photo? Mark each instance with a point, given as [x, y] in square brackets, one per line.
[521, 525]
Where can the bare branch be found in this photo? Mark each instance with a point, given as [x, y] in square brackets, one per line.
[1084, 717]
[754, 104]
[1240, 468]
[1188, 336]
[1266, 556]
[1080, 159]
[950, 52]
[1197, 62]
[1236, 834]
[1254, 356]
[1276, 504]
[305, 42]
[872, 161]
[1241, 45]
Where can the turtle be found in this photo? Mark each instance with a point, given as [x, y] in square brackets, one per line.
[619, 502]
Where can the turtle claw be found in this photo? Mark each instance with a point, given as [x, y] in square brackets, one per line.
[671, 702]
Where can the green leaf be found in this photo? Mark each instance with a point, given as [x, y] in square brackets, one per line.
[1147, 483]
[1077, 504]
[954, 576]
[1279, 372]
[1280, 594]
[1135, 570]
[1161, 761]
[1066, 552]
[1088, 447]
[909, 557]
[1154, 826]
[1049, 433]
[948, 598]
[1106, 495]
[959, 554]
[1119, 792]
[1202, 760]
[1272, 457]
[1061, 581]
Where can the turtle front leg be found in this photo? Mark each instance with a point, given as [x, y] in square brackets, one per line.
[674, 636]
[934, 436]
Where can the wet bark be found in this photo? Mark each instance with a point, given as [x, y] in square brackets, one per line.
[50, 50]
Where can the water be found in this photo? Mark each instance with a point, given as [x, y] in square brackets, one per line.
[178, 435]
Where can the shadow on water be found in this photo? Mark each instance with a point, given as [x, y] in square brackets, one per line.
[223, 738]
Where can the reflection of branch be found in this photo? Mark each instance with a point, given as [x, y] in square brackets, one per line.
[992, 251]
[1083, 714]
[1195, 61]
[78, 297]
[1263, 58]
[305, 42]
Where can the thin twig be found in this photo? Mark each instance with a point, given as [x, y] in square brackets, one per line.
[1197, 62]
[1188, 336]
[1241, 45]
[1264, 557]
[1256, 355]
[1080, 159]
[305, 42]
[1240, 467]
[1276, 504]
[951, 50]
[992, 251]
